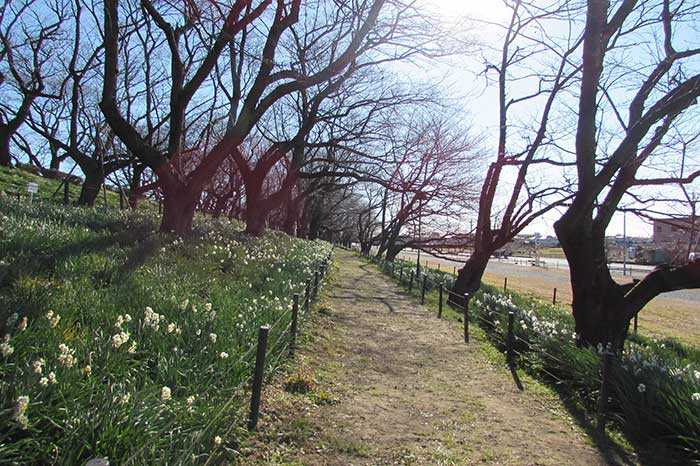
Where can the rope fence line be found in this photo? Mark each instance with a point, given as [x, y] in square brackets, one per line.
[653, 323]
[520, 348]
[244, 363]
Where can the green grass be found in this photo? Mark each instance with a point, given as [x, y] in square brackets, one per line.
[149, 361]
[14, 181]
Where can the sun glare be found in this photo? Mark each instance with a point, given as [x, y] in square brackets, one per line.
[489, 10]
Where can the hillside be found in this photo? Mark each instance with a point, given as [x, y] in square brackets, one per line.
[14, 181]
[127, 344]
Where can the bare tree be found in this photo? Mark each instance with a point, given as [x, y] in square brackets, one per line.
[657, 90]
[259, 84]
[433, 168]
[29, 36]
[512, 196]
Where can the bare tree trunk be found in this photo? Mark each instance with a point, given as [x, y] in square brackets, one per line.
[135, 184]
[5, 158]
[178, 212]
[469, 277]
[255, 221]
[599, 306]
[291, 215]
[365, 248]
[392, 251]
[91, 186]
[314, 225]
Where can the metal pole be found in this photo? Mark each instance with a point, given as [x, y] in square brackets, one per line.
[505, 284]
[295, 323]
[554, 296]
[422, 294]
[440, 303]
[258, 377]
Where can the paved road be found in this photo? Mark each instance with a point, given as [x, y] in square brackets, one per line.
[556, 271]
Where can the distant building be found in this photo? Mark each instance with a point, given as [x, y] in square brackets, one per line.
[674, 238]
[675, 231]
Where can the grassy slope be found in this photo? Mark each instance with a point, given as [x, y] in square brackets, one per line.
[15, 180]
[92, 267]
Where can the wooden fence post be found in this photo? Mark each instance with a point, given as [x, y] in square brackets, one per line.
[422, 294]
[554, 297]
[440, 302]
[511, 336]
[505, 284]
[466, 317]
[258, 377]
[295, 323]
[601, 415]
[315, 294]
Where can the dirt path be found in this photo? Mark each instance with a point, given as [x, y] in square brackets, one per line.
[396, 386]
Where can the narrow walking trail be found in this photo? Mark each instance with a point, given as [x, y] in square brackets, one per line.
[396, 386]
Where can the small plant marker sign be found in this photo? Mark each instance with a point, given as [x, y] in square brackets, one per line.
[32, 188]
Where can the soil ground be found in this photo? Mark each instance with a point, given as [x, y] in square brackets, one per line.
[386, 383]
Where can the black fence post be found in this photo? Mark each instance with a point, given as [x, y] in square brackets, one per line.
[554, 296]
[505, 284]
[422, 293]
[601, 415]
[511, 336]
[315, 284]
[258, 377]
[466, 317]
[410, 282]
[307, 293]
[295, 323]
[440, 301]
